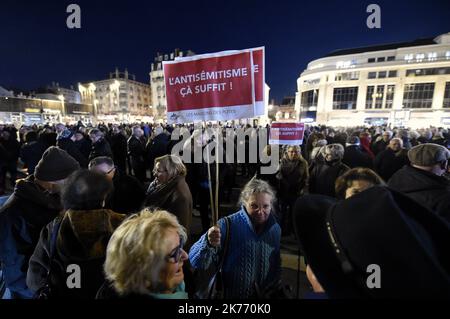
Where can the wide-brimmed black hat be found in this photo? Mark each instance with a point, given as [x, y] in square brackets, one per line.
[342, 241]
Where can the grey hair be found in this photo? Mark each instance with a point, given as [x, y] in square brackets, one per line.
[256, 186]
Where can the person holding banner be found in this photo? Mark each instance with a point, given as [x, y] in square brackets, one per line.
[252, 262]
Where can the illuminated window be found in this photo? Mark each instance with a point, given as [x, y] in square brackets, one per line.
[420, 57]
[309, 98]
[447, 95]
[418, 95]
[432, 56]
[390, 96]
[409, 57]
[345, 98]
[447, 55]
[370, 96]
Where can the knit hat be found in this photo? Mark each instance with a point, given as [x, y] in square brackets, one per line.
[65, 134]
[428, 154]
[56, 164]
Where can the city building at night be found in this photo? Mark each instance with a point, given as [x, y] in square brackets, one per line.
[118, 98]
[402, 84]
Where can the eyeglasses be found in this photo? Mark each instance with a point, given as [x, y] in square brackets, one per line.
[112, 169]
[175, 255]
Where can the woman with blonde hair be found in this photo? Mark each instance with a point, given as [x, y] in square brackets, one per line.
[169, 190]
[144, 258]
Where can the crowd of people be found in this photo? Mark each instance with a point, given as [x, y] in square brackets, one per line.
[115, 202]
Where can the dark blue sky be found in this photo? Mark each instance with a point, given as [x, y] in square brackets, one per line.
[37, 48]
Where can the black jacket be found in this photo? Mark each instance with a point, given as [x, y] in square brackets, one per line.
[323, 177]
[355, 157]
[100, 148]
[31, 153]
[22, 217]
[69, 146]
[379, 146]
[84, 146]
[428, 189]
[136, 149]
[388, 162]
[119, 148]
[129, 194]
[82, 239]
[157, 147]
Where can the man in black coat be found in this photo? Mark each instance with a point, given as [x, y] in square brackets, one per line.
[128, 194]
[9, 141]
[34, 203]
[157, 147]
[66, 141]
[31, 152]
[380, 145]
[83, 143]
[423, 181]
[136, 151]
[391, 160]
[354, 155]
[119, 148]
[100, 146]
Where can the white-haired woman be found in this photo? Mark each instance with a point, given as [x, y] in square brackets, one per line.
[144, 258]
[169, 189]
[252, 260]
[323, 174]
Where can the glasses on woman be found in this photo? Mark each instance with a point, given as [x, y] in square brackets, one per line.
[175, 255]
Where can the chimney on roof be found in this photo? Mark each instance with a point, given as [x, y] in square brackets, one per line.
[126, 73]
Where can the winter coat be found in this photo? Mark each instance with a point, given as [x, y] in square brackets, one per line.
[428, 189]
[355, 157]
[388, 162]
[379, 146]
[81, 240]
[22, 218]
[156, 147]
[119, 149]
[100, 148]
[84, 146]
[31, 153]
[293, 178]
[323, 176]
[173, 196]
[128, 195]
[69, 146]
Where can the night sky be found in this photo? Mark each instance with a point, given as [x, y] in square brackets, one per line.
[36, 47]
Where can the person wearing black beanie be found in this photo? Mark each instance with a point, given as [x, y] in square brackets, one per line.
[34, 203]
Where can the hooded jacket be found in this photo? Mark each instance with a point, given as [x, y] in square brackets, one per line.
[22, 217]
[82, 240]
[428, 189]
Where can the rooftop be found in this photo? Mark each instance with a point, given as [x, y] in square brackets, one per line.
[382, 47]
